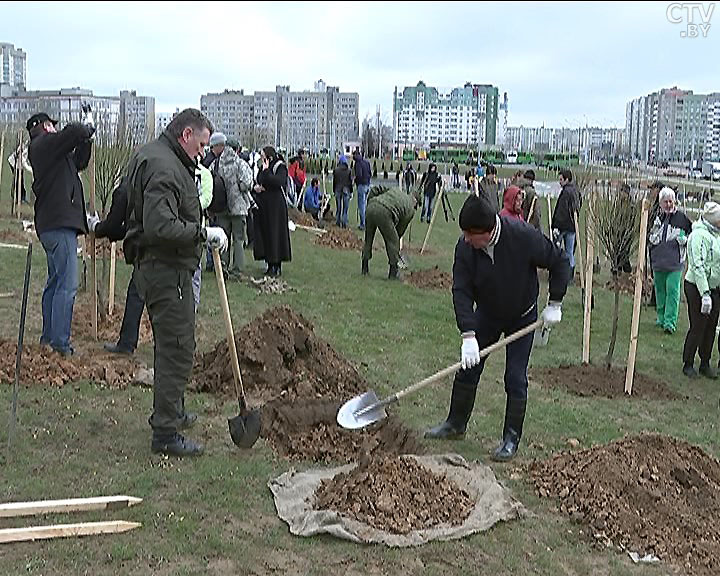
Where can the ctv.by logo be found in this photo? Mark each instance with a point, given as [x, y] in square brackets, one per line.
[694, 15]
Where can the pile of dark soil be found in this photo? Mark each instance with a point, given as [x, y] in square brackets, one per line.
[340, 239]
[649, 494]
[595, 380]
[395, 494]
[431, 279]
[108, 328]
[40, 365]
[302, 218]
[280, 358]
[307, 430]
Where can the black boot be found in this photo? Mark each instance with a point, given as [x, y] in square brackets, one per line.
[175, 445]
[707, 370]
[462, 402]
[365, 268]
[393, 273]
[512, 430]
[689, 370]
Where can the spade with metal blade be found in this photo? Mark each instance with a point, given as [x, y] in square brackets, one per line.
[367, 408]
[245, 427]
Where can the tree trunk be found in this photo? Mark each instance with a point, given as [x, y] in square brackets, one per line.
[616, 312]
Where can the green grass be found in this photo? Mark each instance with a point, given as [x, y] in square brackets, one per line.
[215, 514]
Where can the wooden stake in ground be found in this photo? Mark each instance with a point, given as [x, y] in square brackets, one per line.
[579, 250]
[93, 257]
[438, 200]
[590, 238]
[326, 200]
[111, 289]
[36, 508]
[531, 212]
[549, 203]
[19, 173]
[636, 300]
[65, 531]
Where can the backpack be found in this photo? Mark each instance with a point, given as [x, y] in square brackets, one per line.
[219, 199]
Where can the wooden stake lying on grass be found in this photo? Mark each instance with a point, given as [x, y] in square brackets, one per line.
[636, 300]
[38, 507]
[65, 531]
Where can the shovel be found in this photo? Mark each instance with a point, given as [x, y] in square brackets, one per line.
[245, 427]
[367, 408]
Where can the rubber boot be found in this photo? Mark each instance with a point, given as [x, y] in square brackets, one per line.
[707, 370]
[512, 429]
[175, 445]
[393, 273]
[365, 268]
[462, 402]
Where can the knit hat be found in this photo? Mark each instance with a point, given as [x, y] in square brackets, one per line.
[217, 138]
[711, 213]
[342, 160]
[477, 214]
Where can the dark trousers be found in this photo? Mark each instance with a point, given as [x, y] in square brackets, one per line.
[134, 306]
[517, 356]
[168, 294]
[701, 335]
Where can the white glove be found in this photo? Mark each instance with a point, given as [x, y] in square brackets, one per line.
[216, 238]
[552, 313]
[470, 351]
[706, 305]
[92, 221]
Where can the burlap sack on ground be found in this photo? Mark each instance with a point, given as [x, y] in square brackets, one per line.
[294, 498]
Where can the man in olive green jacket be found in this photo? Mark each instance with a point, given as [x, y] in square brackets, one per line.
[164, 242]
[390, 211]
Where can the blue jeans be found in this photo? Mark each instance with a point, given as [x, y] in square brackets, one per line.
[342, 201]
[568, 239]
[59, 295]
[427, 207]
[362, 192]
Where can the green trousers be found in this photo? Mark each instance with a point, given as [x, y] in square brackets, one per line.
[667, 297]
[234, 227]
[168, 295]
[377, 217]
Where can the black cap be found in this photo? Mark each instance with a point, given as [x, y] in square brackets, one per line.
[477, 214]
[37, 119]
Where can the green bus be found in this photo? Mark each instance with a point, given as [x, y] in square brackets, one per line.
[558, 161]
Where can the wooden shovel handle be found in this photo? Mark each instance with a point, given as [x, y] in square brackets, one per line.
[484, 352]
[237, 378]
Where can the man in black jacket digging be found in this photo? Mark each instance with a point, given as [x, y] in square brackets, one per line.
[495, 291]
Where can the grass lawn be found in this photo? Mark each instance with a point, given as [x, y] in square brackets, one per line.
[215, 514]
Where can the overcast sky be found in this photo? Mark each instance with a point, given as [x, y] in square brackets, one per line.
[561, 64]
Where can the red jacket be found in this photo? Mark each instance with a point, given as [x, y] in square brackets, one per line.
[297, 174]
[509, 196]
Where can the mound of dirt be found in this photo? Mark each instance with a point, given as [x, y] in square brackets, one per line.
[280, 357]
[40, 365]
[109, 328]
[307, 430]
[595, 380]
[340, 239]
[395, 494]
[431, 278]
[302, 218]
[627, 285]
[648, 494]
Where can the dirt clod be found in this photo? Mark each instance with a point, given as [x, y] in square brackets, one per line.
[649, 494]
[395, 494]
[595, 380]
